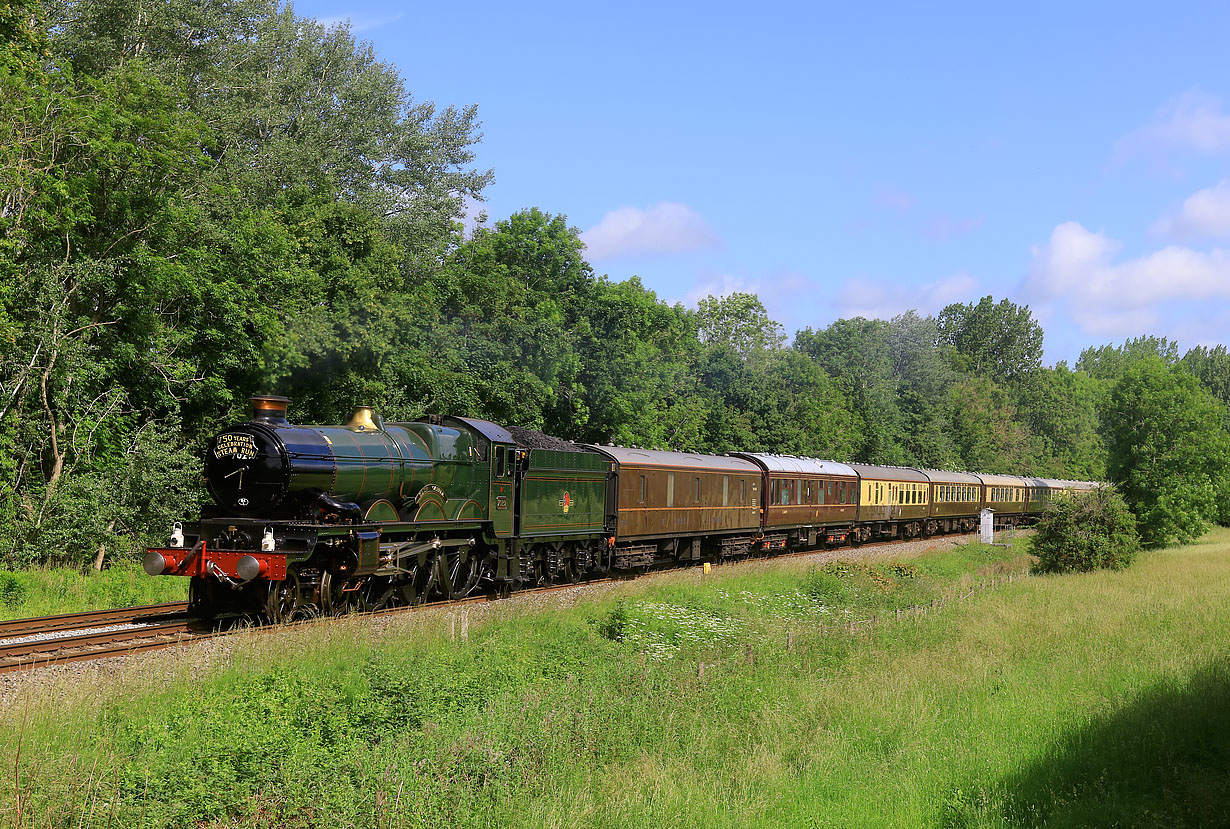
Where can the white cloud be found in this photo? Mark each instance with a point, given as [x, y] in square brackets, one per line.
[1078, 265]
[720, 285]
[1193, 121]
[1205, 214]
[662, 228]
[883, 300]
[1078, 268]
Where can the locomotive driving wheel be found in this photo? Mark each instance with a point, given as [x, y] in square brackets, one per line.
[284, 598]
[462, 572]
[373, 594]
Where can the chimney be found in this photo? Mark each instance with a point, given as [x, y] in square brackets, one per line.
[270, 408]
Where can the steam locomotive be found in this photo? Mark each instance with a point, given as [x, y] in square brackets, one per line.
[321, 519]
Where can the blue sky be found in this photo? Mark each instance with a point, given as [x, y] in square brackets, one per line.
[859, 158]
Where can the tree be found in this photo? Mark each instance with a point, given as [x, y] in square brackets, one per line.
[924, 378]
[739, 322]
[1211, 366]
[1000, 341]
[1109, 362]
[1060, 408]
[1169, 452]
[856, 354]
[985, 429]
[293, 105]
[1083, 531]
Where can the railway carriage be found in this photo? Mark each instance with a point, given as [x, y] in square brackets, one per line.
[1006, 496]
[805, 501]
[1037, 496]
[676, 506]
[956, 499]
[893, 501]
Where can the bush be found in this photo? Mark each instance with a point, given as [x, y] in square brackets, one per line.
[1086, 531]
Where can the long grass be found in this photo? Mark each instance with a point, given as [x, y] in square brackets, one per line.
[53, 590]
[726, 700]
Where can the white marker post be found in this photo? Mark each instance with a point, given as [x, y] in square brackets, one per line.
[987, 527]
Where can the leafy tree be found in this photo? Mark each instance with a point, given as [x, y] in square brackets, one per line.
[293, 105]
[740, 322]
[924, 380]
[1211, 366]
[1169, 451]
[1085, 531]
[638, 358]
[1109, 362]
[1060, 408]
[856, 354]
[985, 429]
[1001, 340]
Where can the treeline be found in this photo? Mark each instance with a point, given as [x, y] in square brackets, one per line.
[206, 200]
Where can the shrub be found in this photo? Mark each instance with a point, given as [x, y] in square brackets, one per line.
[1086, 531]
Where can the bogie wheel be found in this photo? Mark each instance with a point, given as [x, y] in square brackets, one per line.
[331, 603]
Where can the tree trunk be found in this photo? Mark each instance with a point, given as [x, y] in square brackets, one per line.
[102, 549]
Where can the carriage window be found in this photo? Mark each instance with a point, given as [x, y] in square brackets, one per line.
[670, 489]
[696, 490]
[644, 487]
[725, 490]
[775, 491]
[841, 492]
[820, 491]
[743, 490]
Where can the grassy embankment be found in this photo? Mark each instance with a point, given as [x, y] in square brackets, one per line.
[1074, 700]
[50, 591]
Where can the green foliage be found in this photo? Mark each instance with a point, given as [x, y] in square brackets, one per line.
[1060, 409]
[1211, 366]
[1085, 531]
[45, 591]
[206, 200]
[857, 354]
[739, 322]
[614, 624]
[1110, 362]
[1169, 451]
[1000, 341]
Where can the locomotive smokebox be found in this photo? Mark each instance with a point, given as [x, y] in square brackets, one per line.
[269, 408]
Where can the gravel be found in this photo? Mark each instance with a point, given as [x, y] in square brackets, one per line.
[64, 634]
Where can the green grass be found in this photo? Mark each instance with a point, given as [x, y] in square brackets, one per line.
[1077, 700]
[51, 591]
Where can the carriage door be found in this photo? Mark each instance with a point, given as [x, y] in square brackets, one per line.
[502, 501]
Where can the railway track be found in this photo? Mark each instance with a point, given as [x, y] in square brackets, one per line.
[77, 637]
[94, 618]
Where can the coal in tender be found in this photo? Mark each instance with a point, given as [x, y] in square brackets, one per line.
[532, 439]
